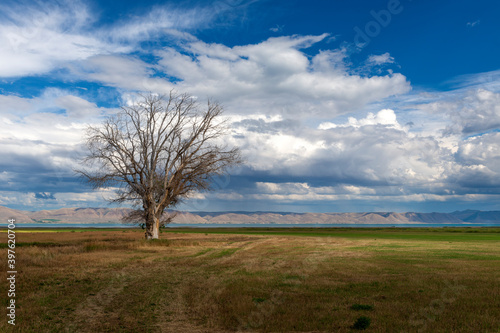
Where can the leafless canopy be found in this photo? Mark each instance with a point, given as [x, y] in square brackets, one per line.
[158, 151]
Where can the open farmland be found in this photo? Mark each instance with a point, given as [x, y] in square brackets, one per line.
[272, 280]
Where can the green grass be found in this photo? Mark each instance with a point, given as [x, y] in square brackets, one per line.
[202, 252]
[428, 234]
[222, 253]
[359, 307]
[286, 280]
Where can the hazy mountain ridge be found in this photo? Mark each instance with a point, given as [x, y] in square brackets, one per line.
[20, 216]
[114, 215]
[80, 215]
[477, 216]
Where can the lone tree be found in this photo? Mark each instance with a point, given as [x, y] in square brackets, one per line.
[156, 152]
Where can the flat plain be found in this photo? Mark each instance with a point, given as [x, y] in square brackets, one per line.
[256, 280]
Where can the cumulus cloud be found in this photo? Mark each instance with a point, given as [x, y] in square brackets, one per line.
[277, 77]
[125, 72]
[468, 111]
[374, 151]
[479, 162]
[77, 107]
[450, 153]
[41, 140]
[477, 112]
[383, 117]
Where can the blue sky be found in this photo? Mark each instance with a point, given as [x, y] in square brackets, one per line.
[337, 106]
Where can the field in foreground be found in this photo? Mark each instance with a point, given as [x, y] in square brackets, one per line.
[279, 280]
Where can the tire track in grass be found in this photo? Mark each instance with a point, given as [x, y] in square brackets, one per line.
[91, 312]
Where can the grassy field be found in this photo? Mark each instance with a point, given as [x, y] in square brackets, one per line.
[256, 280]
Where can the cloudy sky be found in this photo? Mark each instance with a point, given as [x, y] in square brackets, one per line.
[338, 106]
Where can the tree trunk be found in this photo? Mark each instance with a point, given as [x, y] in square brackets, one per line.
[156, 227]
[152, 225]
[149, 230]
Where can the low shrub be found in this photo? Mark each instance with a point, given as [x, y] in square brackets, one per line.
[362, 323]
[358, 307]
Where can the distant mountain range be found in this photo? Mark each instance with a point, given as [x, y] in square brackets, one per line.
[114, 215]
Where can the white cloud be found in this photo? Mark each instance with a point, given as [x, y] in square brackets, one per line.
[37, 39]
[283, 102]
[380, 155]
[375, 150]
[41, 37]
[470, 111]
[484, 149]
[277, 28]
[487, 80]
[359, 189]
[155, 23]
[62, 199]
[276, 77]
[14, 105]
[173, 20]
[479, 161]
[125, 72]
[381, 59]
[354, 195]
[473, 24]
[282, 188]
[41, 140]
[383, 117]
[77, 107]
[5, 176]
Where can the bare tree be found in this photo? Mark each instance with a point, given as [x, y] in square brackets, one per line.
[158, 151]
